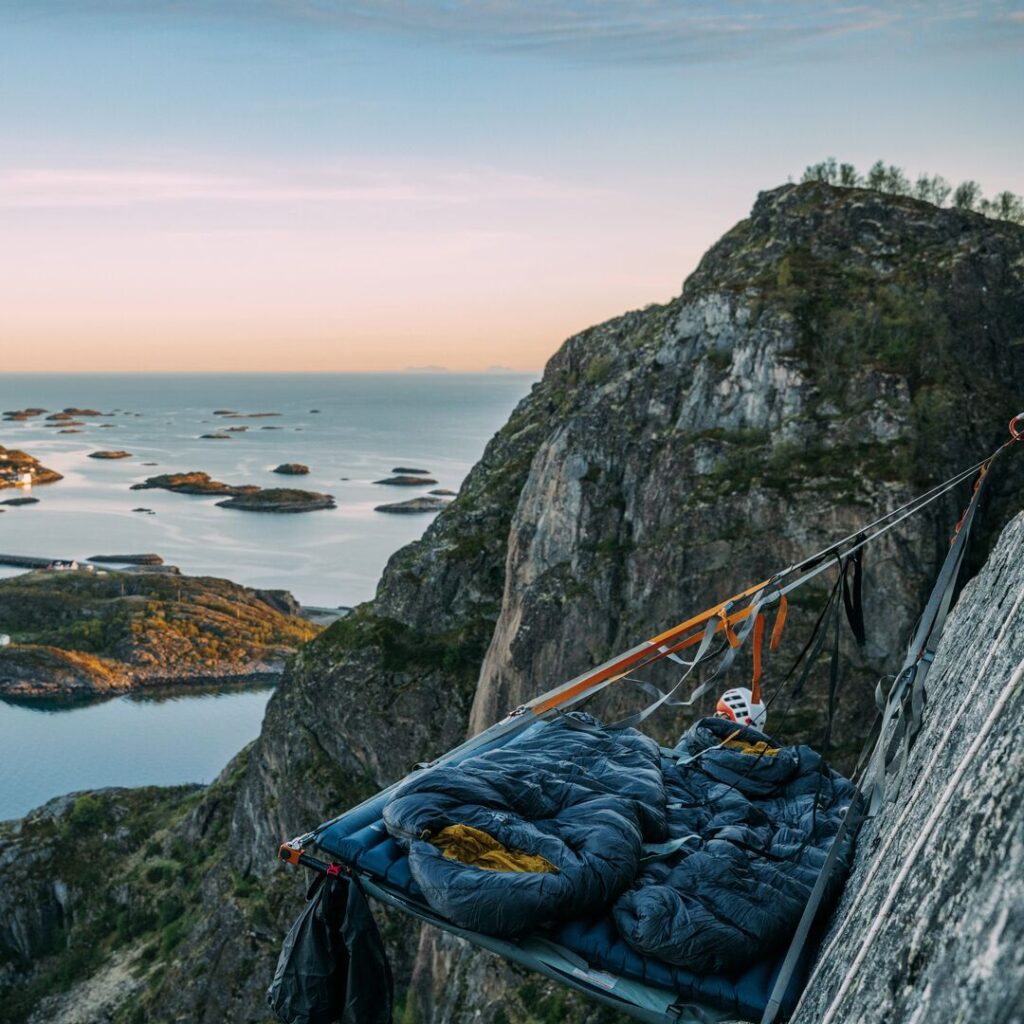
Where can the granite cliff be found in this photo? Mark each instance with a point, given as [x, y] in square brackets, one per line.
[833, 354]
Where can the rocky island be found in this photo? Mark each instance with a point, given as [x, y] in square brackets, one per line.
[20, 415]
[403, 480]
[245, 497]
[192, 483]
[111, 455]
[18, 469]
[279, 499]
[291, 469]
[414, 505]
[81, 634]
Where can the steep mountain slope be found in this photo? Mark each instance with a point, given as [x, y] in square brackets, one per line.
[833, 354]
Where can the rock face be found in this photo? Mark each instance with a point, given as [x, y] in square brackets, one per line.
[833, 354]
[82, 633]
[931, 923]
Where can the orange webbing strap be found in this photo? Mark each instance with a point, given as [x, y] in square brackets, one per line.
[614, 670]
[780, 624]
[730, 633]
[977, 484]
[755, 682]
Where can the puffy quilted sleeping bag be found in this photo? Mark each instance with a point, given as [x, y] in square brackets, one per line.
[704, 859]
[546, 829]
[761, 820]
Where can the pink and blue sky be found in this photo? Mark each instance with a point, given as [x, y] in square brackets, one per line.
[275, 185]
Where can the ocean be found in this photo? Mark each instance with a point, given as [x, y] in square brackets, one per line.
[365, 426]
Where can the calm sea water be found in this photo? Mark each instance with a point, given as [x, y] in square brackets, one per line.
[366, 425]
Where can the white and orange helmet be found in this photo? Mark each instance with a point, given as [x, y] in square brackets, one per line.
[739, 706]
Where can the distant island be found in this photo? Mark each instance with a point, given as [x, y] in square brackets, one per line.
[245, 497]
[78, 633]
[19, 469]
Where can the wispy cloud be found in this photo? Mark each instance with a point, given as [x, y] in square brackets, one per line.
[42, 187]
[580, 31]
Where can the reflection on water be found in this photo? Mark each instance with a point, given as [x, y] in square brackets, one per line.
[161, 736]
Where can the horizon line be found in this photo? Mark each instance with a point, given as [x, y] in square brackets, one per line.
[275, 373]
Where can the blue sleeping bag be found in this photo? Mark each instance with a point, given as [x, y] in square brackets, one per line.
[704, 860]
[580, 803]
[760, 820]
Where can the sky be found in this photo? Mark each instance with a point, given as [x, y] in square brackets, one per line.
[315, 185]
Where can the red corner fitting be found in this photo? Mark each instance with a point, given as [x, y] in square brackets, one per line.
[333, 869]
[289, 854]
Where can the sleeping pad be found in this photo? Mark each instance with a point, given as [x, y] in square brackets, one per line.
[704, 856]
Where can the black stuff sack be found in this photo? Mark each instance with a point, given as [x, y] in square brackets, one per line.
[333, 966]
